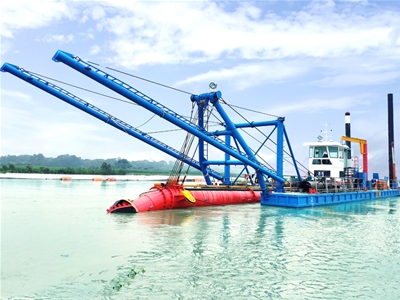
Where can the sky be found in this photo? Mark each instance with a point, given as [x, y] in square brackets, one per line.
[306, 61]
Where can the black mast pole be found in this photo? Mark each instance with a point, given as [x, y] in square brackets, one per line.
[392, 168]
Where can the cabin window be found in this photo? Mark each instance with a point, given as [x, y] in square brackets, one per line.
[320, 152]
[326, 162]
[316, 162]
[340, 153]
[311, 152]
[333, 152]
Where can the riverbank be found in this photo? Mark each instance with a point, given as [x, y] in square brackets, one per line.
[92, 177]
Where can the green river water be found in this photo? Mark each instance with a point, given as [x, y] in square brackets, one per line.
[58, 242]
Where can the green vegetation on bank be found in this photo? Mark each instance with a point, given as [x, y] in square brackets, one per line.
[71, 164]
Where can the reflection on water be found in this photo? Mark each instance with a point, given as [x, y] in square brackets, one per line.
[61, 244]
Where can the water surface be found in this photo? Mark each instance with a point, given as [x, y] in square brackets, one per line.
[58, 242]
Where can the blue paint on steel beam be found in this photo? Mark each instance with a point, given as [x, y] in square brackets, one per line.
[101, 115]
[201, 144]
[221, 132]
[298, 200]
[292, 155]
[223, 162]
[257, 124]
[157, 108]
[279, 155]
[237, 137]
[227, 168]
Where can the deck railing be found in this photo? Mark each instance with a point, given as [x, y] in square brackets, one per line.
[338, 185]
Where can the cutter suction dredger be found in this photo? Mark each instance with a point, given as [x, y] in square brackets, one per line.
[261, 178]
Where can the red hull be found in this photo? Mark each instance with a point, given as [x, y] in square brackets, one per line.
[162, 197]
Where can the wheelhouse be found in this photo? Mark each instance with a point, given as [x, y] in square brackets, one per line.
[329, 159]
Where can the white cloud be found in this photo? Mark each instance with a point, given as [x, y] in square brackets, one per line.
[356, 70]
[95, 49]
[149, 33]
[17, 94]
[316, 105]
[358, 78]
[30, 14]
[247, 75]
[58, 38]
[98, 13]
[156, 32]
[6, 46]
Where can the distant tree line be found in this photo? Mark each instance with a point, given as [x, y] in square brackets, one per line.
[71, 164]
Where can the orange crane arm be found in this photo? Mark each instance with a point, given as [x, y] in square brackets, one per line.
[362, 143]
[363, 151]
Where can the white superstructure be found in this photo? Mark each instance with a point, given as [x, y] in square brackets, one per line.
[328, 159]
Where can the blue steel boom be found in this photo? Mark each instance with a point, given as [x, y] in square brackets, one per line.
[102, 115]
[247, 157]
[242, 153]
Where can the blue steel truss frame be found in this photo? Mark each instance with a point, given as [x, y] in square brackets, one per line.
[102, 115]
[245, 157]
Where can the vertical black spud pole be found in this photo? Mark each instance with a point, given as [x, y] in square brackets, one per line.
[391, 141]
[347, 131]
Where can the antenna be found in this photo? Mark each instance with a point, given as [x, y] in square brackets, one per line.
[326, 132]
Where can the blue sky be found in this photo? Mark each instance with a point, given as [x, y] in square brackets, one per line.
[309, 61]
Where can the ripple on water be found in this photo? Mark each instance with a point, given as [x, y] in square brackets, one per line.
[239, 252]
